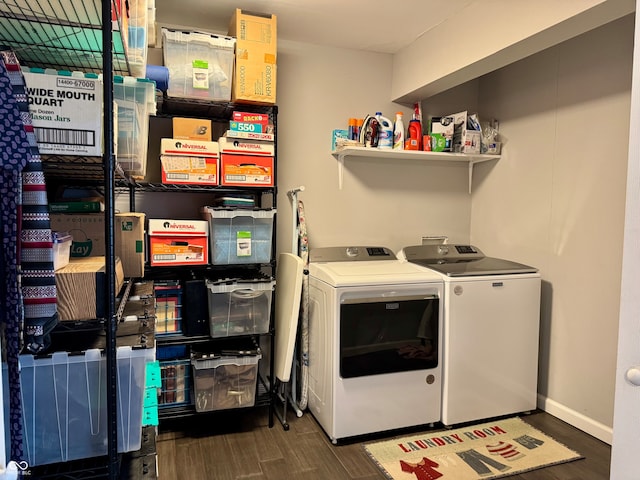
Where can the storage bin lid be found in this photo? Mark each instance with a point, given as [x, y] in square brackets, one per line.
[225, 212]
[226, 286]
[208, 363]
[215, 41]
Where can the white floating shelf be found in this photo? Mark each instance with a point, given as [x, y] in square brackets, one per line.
[418, 155]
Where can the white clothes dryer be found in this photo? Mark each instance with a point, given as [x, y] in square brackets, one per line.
[375, 324]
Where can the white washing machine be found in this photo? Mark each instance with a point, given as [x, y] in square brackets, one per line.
[375, 329]
[490, 331]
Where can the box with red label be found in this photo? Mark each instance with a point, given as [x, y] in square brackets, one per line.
[245, 162]
[248, 117]
[178, 242]
[189, 161]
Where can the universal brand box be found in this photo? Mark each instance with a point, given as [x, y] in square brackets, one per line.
[254, 79]
[189, 161]
[178, 242]
[246, 163]
[66, 110]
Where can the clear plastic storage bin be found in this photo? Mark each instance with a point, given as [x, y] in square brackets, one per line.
[136, 101]
[239, 307]
[61, 249]
[225, 382]
[200, 65]
[239, 236]
[64, 404]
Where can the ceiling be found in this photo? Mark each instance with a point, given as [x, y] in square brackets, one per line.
[356, 24]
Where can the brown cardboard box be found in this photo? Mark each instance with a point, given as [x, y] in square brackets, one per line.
[254, 79]
[87, 230]
[130, 244]
[192, 129]
[81, 288]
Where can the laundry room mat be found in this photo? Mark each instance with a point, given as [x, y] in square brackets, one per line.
[495, 449]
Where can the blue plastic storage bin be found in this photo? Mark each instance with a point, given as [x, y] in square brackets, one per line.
[238, 236]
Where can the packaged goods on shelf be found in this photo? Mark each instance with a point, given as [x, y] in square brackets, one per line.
[66, 110]
[87, 232]
[239, 236]
[61, 249]
[200, 65]
[225, 382]
[129, 236]
[137, 37]
[168, 307]
[191, 129]
[178, 242]
[241, 307]
[64, 404]
[254, 78]
[246, 162]
[441, 131]
[80, 288]
[136, 101]
[466, 135]
[176, 383]
[189, 161]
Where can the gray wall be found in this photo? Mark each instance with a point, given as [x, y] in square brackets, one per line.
[554, 200]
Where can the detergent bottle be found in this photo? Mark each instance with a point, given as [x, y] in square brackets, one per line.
[385, 131]
[414, 134]
[398, 132]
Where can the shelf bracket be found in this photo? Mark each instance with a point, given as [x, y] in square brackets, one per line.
[340, 171]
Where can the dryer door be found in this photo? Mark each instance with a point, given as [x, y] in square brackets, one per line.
[388, 334]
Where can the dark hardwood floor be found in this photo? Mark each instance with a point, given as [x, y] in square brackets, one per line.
[240, 445]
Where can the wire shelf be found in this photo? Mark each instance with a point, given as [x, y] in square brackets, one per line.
[59, 34]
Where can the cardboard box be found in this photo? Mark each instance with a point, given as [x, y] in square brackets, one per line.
[129, 237]
[192, 129]
[465, 139]
[178, 242]
[246, 162]
[66, 112]
[189, 162]
[246, 170]
[87, 231]
[80, 287]
[254, 78]
[245, 147]
[255, 33]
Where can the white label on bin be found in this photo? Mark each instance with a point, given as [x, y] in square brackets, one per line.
[200, 74]
[243, 244]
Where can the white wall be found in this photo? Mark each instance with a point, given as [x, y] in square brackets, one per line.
[391, 203]
[556, 200]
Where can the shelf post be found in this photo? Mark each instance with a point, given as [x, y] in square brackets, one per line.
[110, 293]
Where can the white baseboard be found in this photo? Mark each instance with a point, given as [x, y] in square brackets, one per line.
[578, 420]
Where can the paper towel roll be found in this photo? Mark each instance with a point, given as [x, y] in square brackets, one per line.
[160, 75]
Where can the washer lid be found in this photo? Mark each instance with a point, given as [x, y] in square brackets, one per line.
[390, 272]
[462, 260]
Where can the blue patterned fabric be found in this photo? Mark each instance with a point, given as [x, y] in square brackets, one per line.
[13, 158]
[29, 294]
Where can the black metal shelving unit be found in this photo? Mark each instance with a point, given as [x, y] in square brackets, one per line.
[71, 35]
[221, 113]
